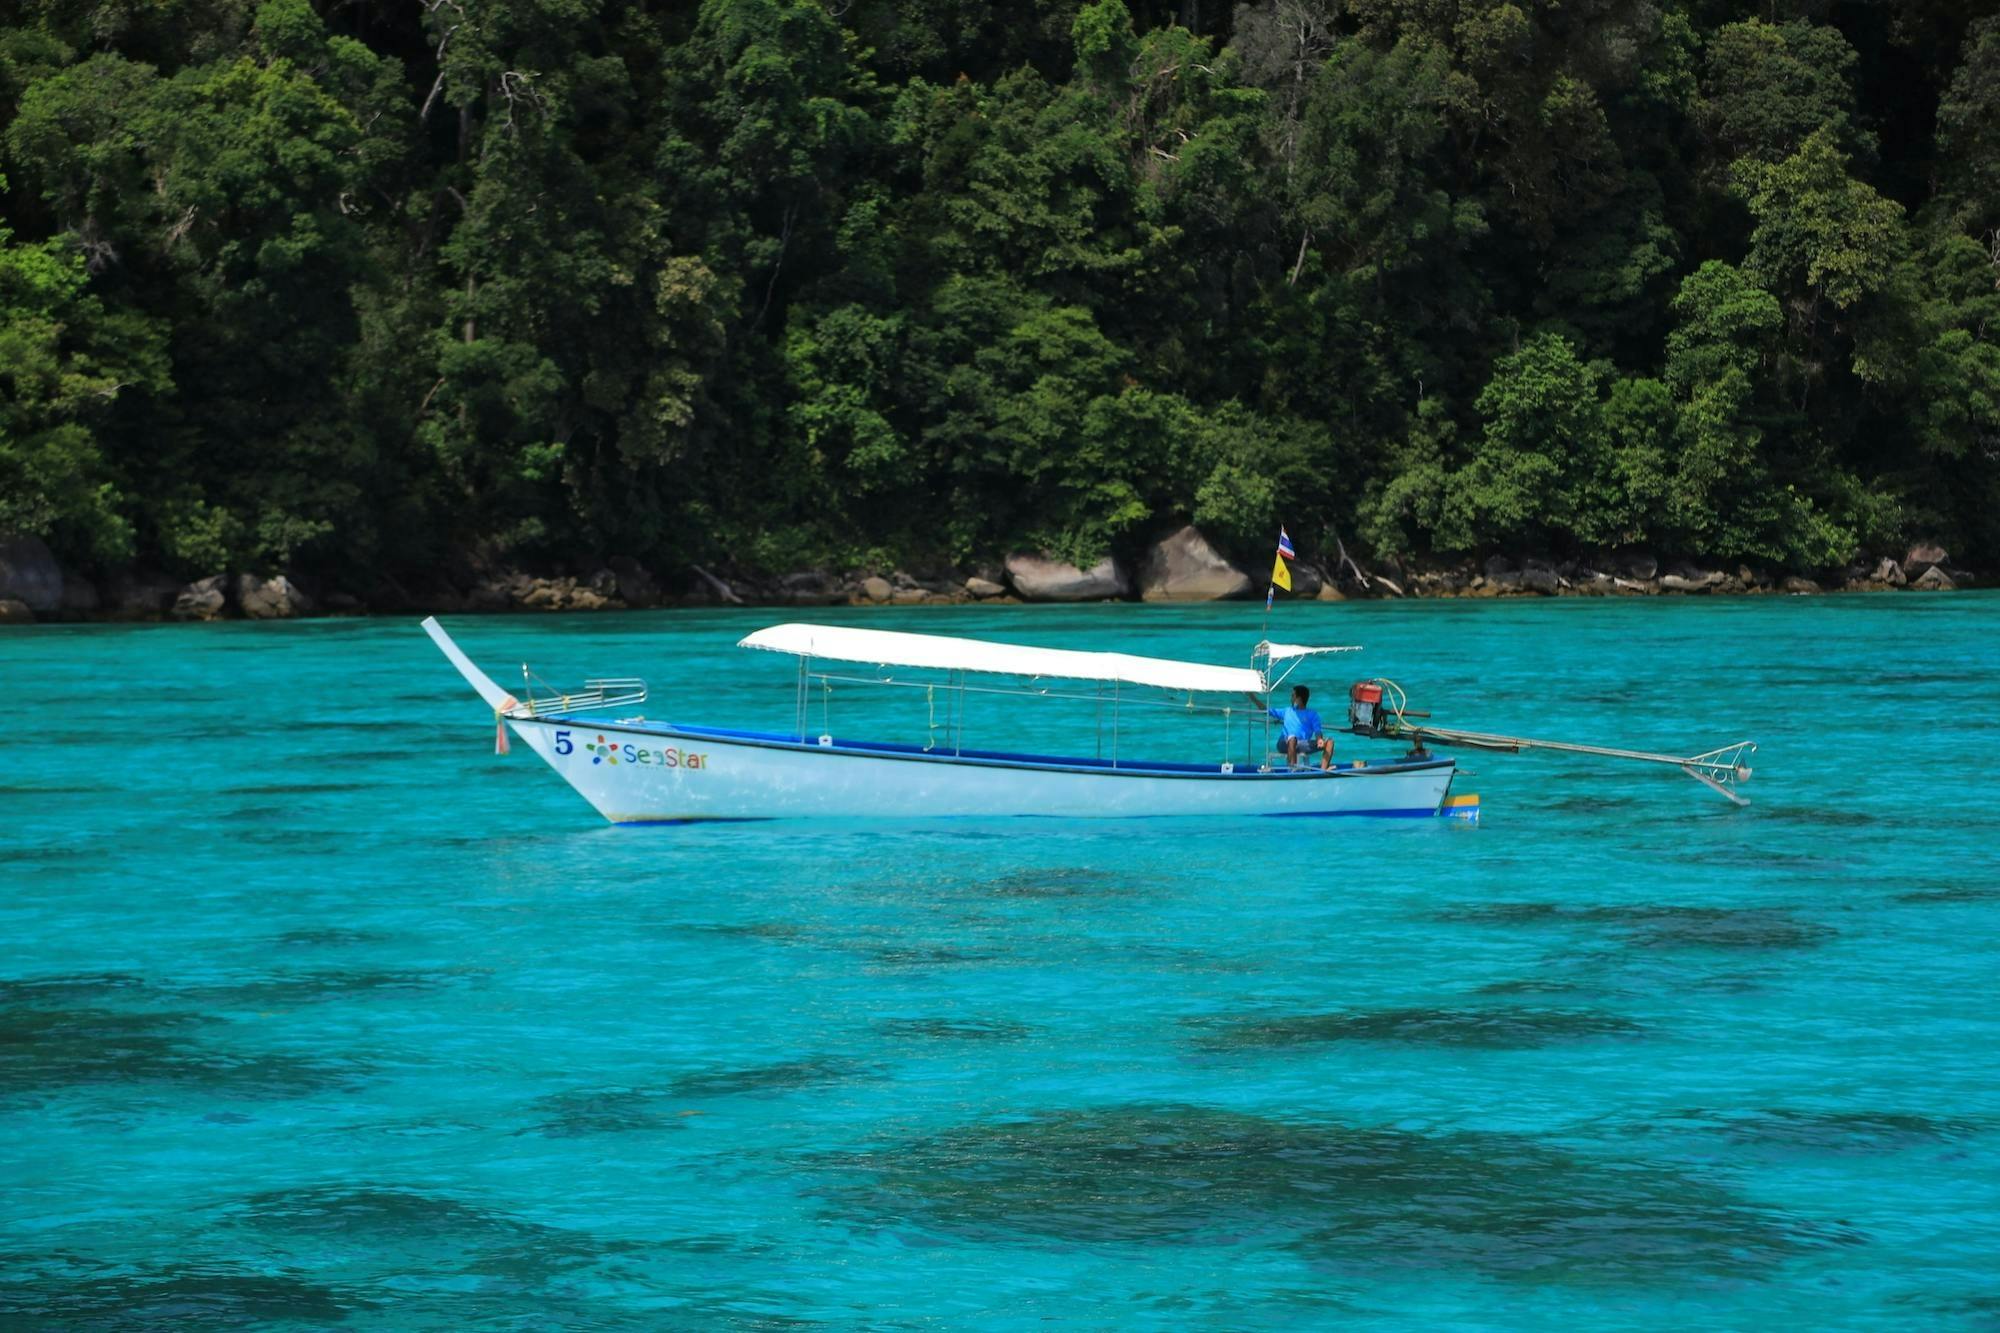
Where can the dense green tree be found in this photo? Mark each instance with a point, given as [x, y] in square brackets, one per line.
[382, 293]
[1768, 87]
[64, 361]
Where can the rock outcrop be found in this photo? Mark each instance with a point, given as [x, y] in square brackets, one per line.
[14, 611]
[275, 598]
[1641, 566]
[636, 586]
[1185, 568]
[29, 573]
[984, 588]
[1538, 577]
[1934, 579]
[1923, 556]
[1686, 578]
[204, 599]
[501, 592]
[1039, 579]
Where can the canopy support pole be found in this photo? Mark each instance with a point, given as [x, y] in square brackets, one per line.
[802, 698]
[1115, 688]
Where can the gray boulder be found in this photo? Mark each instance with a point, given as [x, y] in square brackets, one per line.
[1795, 584]
[876, 588]
[1039, 579]
[1496, 565]
[1923, 556]
[983, 588]
[203, 599]
[29, 573]
[636, 586]
[549, 594]
[1595, 582]
[1891, 573]
[1686, 578]
[1538, 577]
[1185, 568]
[489, 595]
[14, 611]
[270, 599]
[1640, 565]
[1934, 579]
[806, 580]
[810, 587]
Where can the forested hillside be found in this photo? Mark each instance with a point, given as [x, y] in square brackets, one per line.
[367, 287]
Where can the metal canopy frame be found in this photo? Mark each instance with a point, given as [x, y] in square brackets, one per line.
[956, 688]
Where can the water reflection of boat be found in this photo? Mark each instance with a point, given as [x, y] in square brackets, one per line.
[635, 770]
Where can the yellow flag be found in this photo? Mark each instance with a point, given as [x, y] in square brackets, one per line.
[1279, 574]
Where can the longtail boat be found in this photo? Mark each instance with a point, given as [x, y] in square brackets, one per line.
[636, 770]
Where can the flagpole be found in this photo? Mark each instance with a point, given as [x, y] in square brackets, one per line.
[1271, 586]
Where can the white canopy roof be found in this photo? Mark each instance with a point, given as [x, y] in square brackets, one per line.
[888, 648]
[1278, 652]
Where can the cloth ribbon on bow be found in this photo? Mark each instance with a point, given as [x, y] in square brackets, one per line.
[500, 711]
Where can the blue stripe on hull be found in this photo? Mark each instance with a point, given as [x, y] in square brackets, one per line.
[985, 758]
[670, 821]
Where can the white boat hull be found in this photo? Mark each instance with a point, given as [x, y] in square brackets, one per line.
[637, 773]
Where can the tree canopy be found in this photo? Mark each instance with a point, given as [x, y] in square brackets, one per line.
[365, 289]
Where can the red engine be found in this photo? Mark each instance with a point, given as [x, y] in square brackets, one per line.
[1364, 706]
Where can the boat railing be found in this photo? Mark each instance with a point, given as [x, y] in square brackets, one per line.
[946, 716]
[610, 692]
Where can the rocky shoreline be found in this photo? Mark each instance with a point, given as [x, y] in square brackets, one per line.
[1181, 567]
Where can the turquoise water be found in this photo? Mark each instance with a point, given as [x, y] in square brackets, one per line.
[312, 1009]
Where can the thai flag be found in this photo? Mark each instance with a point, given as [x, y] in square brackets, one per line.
[1285, 545]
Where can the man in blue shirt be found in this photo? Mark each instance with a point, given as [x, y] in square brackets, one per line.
[1302, 734]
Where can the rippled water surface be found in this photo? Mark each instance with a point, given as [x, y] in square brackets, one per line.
[312, 1010]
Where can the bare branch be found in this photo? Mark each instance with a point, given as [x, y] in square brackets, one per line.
[425, 405]
[424, 116]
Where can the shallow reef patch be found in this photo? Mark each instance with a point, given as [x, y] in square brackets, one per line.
[420, 1231]
[1495, 1026]
[1055, 882]
[1165, 1174]
[765, 1080]
[954, 1029]
[1660, 927]
[1814, 1130]
[202, 1297]
[579, 1112]
[43, 1049]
